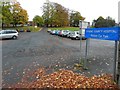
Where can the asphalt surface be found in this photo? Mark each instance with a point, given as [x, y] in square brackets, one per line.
[34, 50]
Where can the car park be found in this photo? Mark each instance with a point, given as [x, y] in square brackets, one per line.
[5, 34]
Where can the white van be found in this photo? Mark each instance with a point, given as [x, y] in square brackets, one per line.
[77, 34]
[5, 34]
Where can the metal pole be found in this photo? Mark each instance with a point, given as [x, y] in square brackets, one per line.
[115, 62]
[118, 66]
[86, 51]
[88, 39]
[81, 62]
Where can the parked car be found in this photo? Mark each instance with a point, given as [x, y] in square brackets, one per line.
[49, 30]
[62, 33]
[21, 30]
[69, 33]
[75, 35]
[28, 30]
[53, 32]
[5, 34]
[58, 31]
[65, 33]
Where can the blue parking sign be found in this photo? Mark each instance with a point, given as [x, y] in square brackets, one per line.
[112, 33]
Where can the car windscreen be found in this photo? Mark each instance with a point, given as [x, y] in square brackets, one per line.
[72, 32]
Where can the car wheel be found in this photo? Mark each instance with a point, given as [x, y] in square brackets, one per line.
[77, 38]
[72, 38]
[14, 37]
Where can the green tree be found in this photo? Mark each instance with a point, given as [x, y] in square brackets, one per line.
[75, 17]
[110, 22]
[6, 14]
[13, 13]
[20, 15]
[0, 14]
[0, 20]
[60, 15]
[101, 22]
[55, 14]
[23, 17]
[47, 12]
[38, 20]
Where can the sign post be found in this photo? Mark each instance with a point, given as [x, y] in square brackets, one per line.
[115, 62]
[86, 54]
[118, 65]
[80, 25]
[83, 25]
[86, 50]
[113, 34]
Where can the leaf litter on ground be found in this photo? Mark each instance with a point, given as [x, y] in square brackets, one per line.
[65, 79]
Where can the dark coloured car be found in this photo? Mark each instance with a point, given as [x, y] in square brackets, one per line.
[21, 30]
[28, 30]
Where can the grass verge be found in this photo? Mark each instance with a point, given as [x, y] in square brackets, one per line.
[66, 28]
[31, 28]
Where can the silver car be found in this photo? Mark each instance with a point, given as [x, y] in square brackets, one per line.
[5, 34]
[65, 33]
[75, 35]
[78, 34]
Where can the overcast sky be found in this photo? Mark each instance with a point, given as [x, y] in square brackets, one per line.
[90, 9]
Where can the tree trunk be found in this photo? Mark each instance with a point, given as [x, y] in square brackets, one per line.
[13, 25]
[2, 25]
